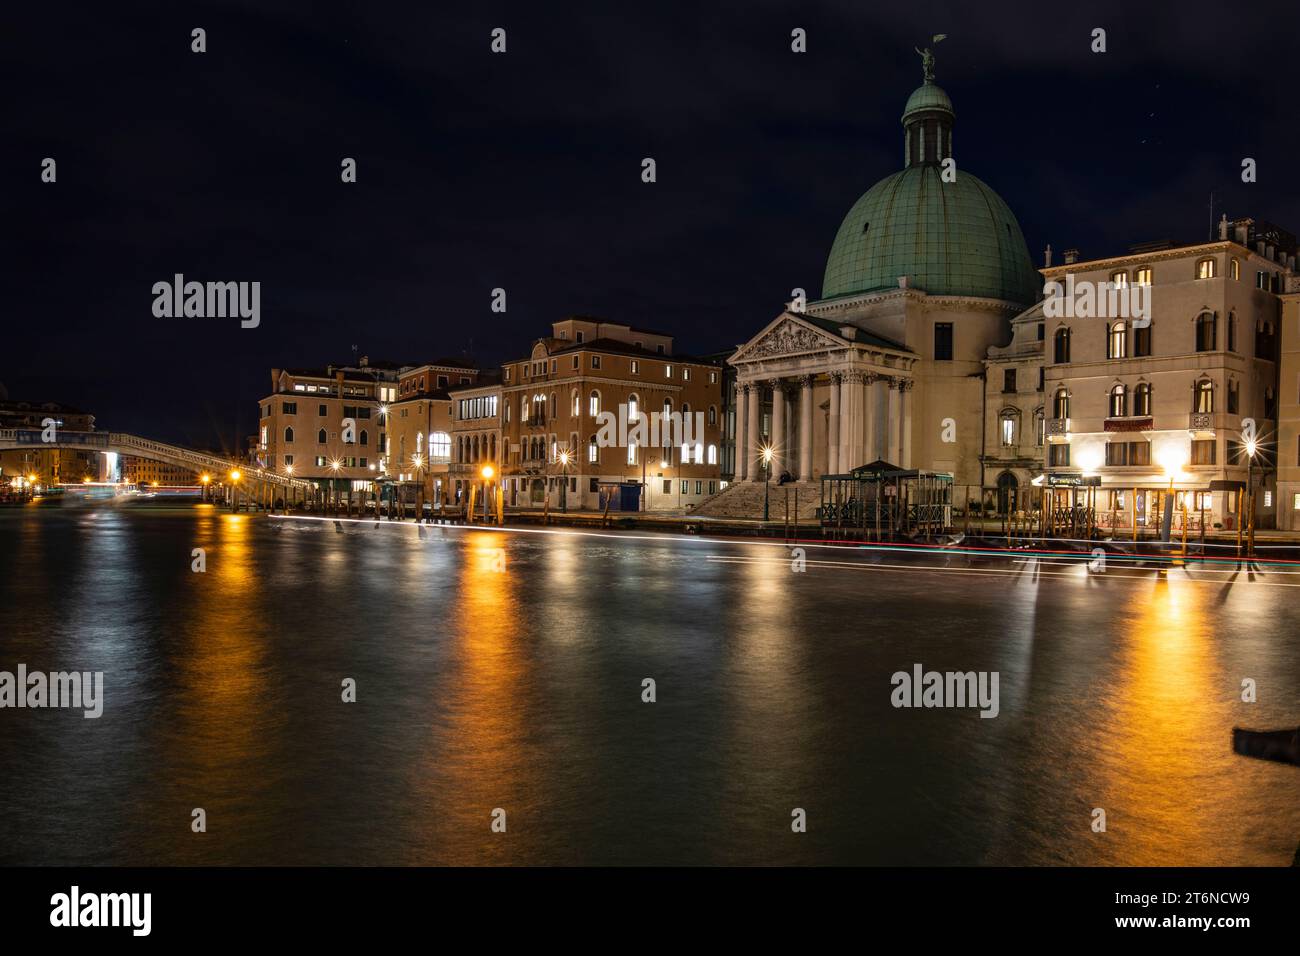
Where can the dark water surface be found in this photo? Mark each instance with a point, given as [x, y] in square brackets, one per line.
[521, 689]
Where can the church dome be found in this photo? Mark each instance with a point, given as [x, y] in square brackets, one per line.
[948, 238]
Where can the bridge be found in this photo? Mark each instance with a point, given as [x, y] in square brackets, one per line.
[124, 444]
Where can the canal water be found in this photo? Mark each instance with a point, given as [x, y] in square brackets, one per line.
[505, 670]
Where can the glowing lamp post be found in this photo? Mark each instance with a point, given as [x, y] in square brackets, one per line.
[564, 480]
[768, 452]
[234, 489]
[486, 472]
[1252, 446]
[335, 465]
[418, 462]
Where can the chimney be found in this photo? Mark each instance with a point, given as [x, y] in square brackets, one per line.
[1242, 229]
[1071, 256]
[1272, 252]
[1259, 246]
[1223, 228]
[903, 282]
[365, 361]
[1047, 257]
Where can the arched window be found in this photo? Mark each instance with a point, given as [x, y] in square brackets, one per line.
[1062, 342]
[365, 438]
[288, 434]
[1007, 428]
[1061, 404]
[320, 437]
[713, 454]
[632, 402]
[1232, 331]
[1235, 268]
[699, 452]
[1205, 269]
[1118, 407]
[1116, 341]
[1142, 399]
[1040, 427]
[554, 408]
[593, 450]
[713, 415]
[1203, 396]
[593, 403]
[1206, 331]
[577, 403]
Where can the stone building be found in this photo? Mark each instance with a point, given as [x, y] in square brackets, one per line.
[326, 425]
[1180, 402]
[551, 419]
[923, 277]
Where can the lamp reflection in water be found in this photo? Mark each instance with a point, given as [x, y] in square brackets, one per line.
[479, 758]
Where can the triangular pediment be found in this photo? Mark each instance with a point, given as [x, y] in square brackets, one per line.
[787, 334]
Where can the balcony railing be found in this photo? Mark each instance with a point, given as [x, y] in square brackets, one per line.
[1057, 427]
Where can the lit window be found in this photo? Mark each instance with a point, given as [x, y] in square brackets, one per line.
[1116, 342]
[1205, 269]
[1143, 276]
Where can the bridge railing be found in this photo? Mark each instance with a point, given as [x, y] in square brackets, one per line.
[128, 444]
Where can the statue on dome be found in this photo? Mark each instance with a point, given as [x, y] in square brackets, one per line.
[927, 56]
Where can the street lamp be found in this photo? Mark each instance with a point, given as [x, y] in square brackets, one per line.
[1252, 446]
[564, 480]
[234, 489]
[418, 462]
[487, 471]
[768, 452]
[335, 464]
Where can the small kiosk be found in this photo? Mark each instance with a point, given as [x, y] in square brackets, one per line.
[882, 501]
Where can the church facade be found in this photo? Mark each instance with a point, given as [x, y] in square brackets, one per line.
[932, 347]
[926, 271]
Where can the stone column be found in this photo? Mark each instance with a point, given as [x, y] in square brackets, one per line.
[779, 451]
[880, 416]
[805, 428]
[751, 425]
[895, 422]
[742, 437]
[833, 428]
[905, 399]
[849, 421]
[869, 425]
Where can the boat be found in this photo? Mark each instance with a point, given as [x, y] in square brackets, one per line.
[1280, 745]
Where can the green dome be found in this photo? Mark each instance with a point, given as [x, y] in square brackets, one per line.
[927, 96]
[954, 238]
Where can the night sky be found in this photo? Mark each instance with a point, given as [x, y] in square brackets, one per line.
[523, 170]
